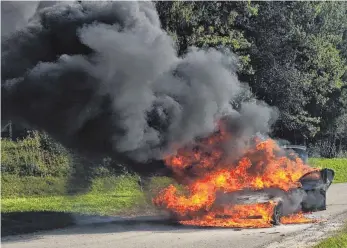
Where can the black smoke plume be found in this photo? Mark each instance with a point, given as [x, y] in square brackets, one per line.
[103, 78]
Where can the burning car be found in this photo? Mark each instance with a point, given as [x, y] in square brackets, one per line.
[265, 186]
[315, 184]
[312, 192]
[309, 197]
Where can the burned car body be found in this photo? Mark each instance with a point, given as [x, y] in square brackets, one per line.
[309, 197]
[314, 184]
[249, 206]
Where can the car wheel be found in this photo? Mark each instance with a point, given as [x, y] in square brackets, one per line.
[277, 214]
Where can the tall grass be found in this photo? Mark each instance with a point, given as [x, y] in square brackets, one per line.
[30, 157]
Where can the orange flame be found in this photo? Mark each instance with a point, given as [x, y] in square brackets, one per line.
[296, 219]
[263, 166]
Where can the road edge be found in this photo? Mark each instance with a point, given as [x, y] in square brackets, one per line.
[311, 235]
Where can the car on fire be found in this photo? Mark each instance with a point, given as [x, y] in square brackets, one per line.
[309, 197]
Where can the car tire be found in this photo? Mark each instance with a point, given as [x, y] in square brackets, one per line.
[277, 214]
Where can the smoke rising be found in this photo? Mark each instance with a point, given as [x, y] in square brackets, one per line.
[103, 78]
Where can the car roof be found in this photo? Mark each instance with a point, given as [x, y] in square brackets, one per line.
[295, 147]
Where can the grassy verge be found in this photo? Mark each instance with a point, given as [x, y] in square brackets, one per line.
[339, 165]
[107, 196]
[105, 204]
[337, 241]
[13, 186]
[28, 202]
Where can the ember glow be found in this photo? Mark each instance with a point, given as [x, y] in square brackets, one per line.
[206, 171]
[296, 219]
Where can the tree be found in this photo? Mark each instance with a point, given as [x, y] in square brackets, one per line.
[293, 55]
[297, 64]
[208, 24]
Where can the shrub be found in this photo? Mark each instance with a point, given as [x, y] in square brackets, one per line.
[33, 156]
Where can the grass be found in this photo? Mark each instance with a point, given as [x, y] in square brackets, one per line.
[106, 204]
[107, 196]
[13, 186]
[337, 241]
[28, 209]
[339, 165]
[33, 156]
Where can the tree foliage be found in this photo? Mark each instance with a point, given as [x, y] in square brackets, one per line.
[293, 55]
[208, 24]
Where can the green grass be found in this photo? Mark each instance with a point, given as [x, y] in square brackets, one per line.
[13, 186]
[107, 196]
[106, 204]
[339, 165]
[27, 211]
[337, 241]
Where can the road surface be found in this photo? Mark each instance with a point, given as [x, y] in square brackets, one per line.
[142, 233]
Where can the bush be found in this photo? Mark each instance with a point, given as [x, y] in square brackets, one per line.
[32, 157]
[39, 155]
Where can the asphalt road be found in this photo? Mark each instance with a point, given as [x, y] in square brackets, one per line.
[151, 232]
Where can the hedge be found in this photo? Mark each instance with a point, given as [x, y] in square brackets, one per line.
[36, 155]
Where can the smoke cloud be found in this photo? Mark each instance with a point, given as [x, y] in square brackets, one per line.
[103, 78]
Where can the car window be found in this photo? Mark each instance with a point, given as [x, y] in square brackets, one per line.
[302, 154]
